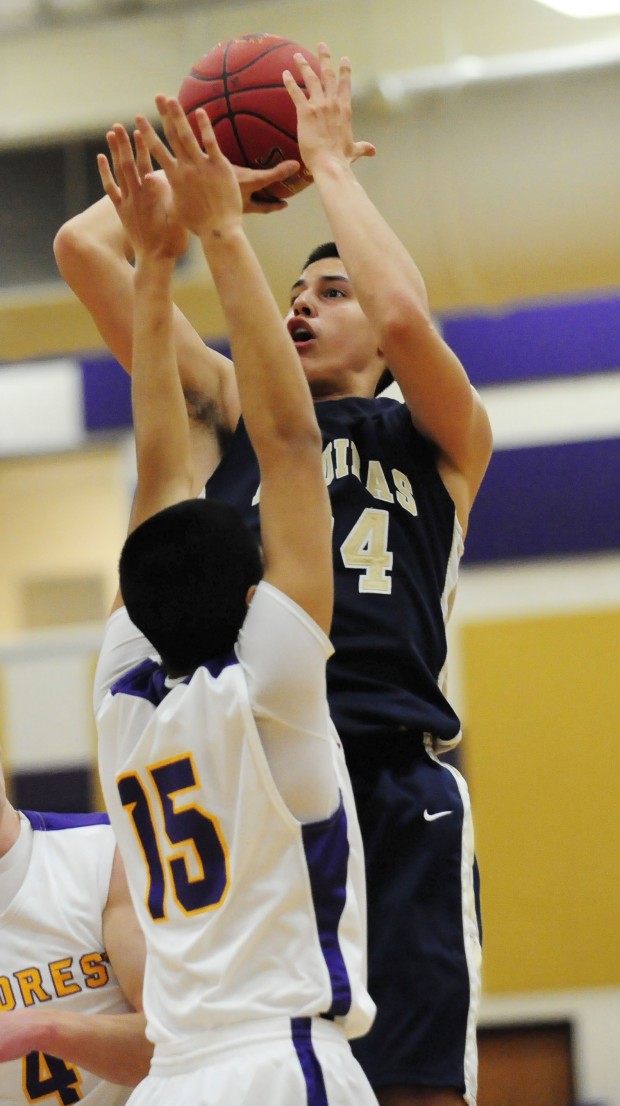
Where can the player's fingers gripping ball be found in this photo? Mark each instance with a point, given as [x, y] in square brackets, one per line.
[239, 85]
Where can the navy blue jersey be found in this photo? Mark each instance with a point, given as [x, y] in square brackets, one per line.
[397, 543]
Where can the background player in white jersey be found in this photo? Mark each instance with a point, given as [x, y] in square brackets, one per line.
[402, 480]
[221, 769]
[71, 962]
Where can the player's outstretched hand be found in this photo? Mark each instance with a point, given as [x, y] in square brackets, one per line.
[324, 128]
[206, 191]
[142, 198]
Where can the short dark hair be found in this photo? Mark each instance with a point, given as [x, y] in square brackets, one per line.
[184, 576]
[330, 249]
[326, 249]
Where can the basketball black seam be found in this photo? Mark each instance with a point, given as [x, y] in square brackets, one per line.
[237, 92]
[233, 72]
[252, 115]
[231, 114]
[229, 105]
[265, 53]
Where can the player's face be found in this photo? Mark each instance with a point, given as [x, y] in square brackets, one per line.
[334, 339]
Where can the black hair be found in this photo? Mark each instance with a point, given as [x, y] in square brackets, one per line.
[184, 576]
[330, 249]
[326, 249]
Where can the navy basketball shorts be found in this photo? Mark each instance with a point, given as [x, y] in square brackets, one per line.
[424, 937]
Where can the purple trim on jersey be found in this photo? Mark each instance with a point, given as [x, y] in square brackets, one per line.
[327, 854]
[147, 680]
[313, 1075]
[45, 820]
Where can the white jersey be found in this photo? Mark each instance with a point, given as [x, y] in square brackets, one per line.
[248, 912]
[51, 947]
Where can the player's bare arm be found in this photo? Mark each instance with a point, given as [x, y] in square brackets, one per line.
[388, 284]
[111, 1046]
[94, 255]
[276, 402]
[144, 204]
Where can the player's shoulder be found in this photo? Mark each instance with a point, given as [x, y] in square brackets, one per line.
[275, 607]
[73, 835]
[52, 822]
[144, 680]
[75, 848]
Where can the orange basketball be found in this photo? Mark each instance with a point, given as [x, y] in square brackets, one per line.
[239, 85]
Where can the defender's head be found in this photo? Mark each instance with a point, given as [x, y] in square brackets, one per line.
[185, 574]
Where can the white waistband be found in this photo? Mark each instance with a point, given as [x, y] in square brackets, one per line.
[192, 1052]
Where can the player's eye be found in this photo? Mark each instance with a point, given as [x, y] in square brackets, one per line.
[332, 293]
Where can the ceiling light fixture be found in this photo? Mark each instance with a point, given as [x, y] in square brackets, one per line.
[583, 9]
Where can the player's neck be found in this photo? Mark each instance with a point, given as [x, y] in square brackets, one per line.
[356, 388]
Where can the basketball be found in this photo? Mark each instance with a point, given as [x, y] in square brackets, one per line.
[239, 85]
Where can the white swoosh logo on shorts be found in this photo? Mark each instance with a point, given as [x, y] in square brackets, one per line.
[440, 814]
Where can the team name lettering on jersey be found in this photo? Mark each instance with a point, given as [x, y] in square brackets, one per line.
[341, 458]
[59, 979]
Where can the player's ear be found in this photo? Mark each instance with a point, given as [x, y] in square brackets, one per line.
[249, 595]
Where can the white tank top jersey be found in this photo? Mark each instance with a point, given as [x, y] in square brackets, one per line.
[248, 912]
[51, 948]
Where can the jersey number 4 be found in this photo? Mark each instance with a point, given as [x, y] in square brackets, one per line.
[365, 548]
[45, 1076]
[190, 834]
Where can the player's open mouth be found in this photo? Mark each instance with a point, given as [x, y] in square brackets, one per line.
[300, 332]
